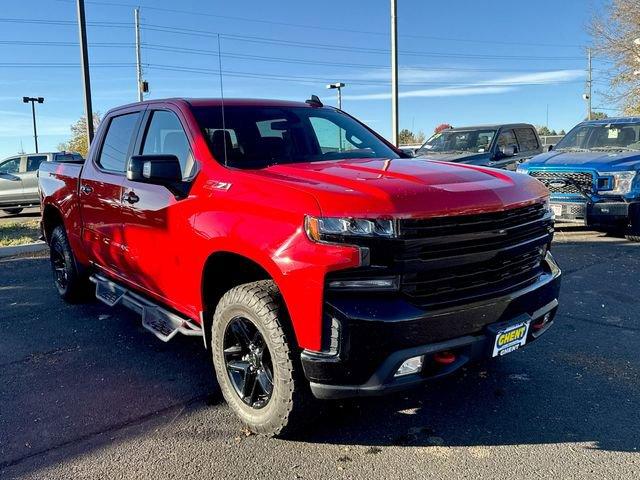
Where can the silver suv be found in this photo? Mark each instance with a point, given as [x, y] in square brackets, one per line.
[19, 178]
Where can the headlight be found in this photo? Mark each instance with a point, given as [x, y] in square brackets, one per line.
[522, 168]
[331, 229]
[620, 183]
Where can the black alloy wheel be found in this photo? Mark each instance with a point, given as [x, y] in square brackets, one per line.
[248, 362]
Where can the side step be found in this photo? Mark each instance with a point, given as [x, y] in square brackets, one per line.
[158, 320]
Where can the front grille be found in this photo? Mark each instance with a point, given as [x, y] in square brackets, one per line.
[565, 182]
[452, 260]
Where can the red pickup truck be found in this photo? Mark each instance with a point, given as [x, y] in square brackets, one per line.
[315, 260]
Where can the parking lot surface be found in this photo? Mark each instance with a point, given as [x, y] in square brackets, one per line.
[86, 392]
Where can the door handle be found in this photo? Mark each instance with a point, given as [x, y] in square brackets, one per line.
[86, 189]
[131, 198]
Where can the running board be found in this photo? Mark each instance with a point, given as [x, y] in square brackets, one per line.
[158, 320]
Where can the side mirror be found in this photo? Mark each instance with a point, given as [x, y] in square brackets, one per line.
[162, 170]
[549, 148]
[507, 151]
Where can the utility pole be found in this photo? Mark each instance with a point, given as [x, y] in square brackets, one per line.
[136, 16]
[589, 84]
[33, 101]
[394, 73]
[86, 79]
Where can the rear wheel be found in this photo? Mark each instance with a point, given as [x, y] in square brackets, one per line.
[12, 211]
[259, 374]
[71, 285]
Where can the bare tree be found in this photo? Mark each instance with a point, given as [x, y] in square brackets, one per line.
[614, 35]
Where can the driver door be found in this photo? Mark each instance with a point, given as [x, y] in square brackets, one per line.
[502, 158]
[11, 189]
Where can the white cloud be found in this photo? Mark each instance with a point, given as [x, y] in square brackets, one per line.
[485, 87]
[435, 92]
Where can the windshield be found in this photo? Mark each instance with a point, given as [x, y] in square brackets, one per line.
[605, 136]
[476, 141]
[256, 137]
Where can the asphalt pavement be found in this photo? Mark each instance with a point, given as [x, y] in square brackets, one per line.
[86, 392]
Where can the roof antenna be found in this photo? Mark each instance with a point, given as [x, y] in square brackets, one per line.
[224, 127]
[314, 101]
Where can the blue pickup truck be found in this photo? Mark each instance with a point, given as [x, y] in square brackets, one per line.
[592, 174]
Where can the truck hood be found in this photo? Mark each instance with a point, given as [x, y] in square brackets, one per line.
[600, 161]
[471, 158]
[406, 187]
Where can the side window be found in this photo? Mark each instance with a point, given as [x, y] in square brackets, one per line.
[113, 155]
[507, 138]
[527, 139]
[331, 137]
[10, 166]
[33, 163]
[165, 136]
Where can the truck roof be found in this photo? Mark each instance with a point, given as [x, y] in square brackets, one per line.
[494, 126]
[607, 121]
[217, 102]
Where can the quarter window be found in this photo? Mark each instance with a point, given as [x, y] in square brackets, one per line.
[33, 163]
[165, 136]
[115, 149]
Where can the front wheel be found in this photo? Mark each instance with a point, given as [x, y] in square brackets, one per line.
[254, 360]
[71, 284]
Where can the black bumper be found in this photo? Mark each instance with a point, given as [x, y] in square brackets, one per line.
[375, 338]
[600, 214]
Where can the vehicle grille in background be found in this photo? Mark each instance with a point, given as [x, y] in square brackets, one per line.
[451, 260]
[574, 181]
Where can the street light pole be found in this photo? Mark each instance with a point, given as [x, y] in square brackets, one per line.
[337, 86]
[33, 101]
[86, 79]
[589, 82]
[394, 73]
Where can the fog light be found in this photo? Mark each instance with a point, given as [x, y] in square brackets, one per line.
[412, 365]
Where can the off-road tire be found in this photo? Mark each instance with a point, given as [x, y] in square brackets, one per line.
[288, 408]
[12, 211]
[77, 286]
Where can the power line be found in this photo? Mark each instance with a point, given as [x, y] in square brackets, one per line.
[331, 29]
[338, 47]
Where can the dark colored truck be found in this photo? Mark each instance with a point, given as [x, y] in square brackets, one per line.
[498, 146]
[313, 258]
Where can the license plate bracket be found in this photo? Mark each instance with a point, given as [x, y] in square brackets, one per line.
[509, 336]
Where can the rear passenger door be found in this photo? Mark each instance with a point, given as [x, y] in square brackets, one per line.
[10, 181]
[30, 178]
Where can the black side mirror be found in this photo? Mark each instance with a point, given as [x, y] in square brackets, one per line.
[162, 170]
[549, 148]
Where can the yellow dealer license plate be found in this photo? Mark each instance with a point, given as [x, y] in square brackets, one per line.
[510, 338]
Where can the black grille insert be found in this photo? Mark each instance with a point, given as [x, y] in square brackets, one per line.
[565, 182]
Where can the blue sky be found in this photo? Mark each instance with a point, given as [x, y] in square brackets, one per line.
[463, 62]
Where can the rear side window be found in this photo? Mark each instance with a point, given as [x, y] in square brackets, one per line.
[33, 163]
[527, 139]
[115, 149]
[166, 136]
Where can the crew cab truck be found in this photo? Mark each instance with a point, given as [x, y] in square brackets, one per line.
[497, 146]
[315, 260]
[592, 175]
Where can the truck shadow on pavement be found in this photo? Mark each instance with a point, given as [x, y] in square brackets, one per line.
[75, 377]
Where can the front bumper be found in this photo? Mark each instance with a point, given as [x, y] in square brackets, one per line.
[601, 213]
[376, 337]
